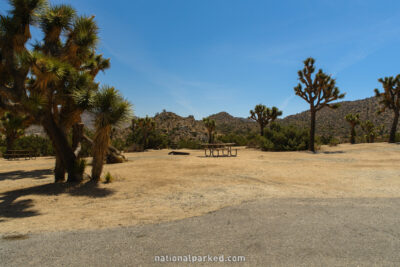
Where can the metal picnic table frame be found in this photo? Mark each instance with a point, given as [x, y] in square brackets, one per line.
[213, 150]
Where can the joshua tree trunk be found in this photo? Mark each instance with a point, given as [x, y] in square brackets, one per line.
[261, 130]
[59, 170]
[392, 138]
[209, 137]
[113, 155]
[100, 146]
[62, 148]
[312, 130]
[77, 135]
[353, 134]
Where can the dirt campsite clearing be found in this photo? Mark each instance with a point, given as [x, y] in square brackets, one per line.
[155, 187]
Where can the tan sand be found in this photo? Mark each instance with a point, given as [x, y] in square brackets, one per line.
[155, 187]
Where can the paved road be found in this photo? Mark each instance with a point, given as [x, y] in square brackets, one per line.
[276, 232]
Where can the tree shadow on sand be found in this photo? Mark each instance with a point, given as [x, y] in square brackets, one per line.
[15, 175]
[10, 207]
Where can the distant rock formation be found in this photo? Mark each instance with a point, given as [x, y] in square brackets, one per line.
[329, 122]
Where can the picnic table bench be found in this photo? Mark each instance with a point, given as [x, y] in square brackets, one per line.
[17, 154]
[219, 150]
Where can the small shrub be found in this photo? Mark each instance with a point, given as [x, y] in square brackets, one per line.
[41, 146]
[118, 143]
[285, 138]
[239, 140]
[333, 142]
[108, 178]
[188, 143]
[254, 140]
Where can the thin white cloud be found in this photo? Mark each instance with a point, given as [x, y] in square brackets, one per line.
[286, 102]
[368, 41]
[183, 92]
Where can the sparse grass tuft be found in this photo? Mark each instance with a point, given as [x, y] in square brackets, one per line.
[333, 142]
[108, 178]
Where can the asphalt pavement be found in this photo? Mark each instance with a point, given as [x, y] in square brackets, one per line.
[269, 232]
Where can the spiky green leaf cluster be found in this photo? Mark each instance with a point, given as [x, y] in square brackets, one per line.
[353, 119]
[209, 124]
[319, 90]
[110, 108]
[264, 115]
[390, 96]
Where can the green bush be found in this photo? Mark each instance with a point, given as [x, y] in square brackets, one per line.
[284, 138]
[254, 140]
[239, 140]
[157, 140]
[118, 143]
[42, 146]
[188, 143]
[108, 178]
[334, 142]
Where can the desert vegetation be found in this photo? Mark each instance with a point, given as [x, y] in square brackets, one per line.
[319, 91]
[369, 131]
[210, 126]
[82, 173]
[52, 84]
[353, 120]
[390, 99]
[12, 126]
[263, 116]
[110, 110]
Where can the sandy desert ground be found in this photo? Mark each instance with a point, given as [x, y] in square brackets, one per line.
[156, 187]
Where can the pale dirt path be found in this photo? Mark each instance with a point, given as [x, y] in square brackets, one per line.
[154, 187]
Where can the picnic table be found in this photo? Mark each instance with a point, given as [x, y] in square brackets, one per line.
[219, 150]
[16, 154]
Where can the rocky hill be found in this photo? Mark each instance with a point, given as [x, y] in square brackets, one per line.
[178, 127]
[329, 122]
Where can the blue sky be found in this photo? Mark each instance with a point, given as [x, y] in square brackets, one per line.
[197, 57]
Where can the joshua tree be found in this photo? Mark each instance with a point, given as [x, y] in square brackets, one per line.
[13, 126]
[390, 98]
[369, 130]
[353, 120]
[263, 116]
[146, 126]
[210, 125]
[110, 109]
[319, 91]
[53, 82]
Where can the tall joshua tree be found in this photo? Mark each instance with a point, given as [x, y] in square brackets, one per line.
[210, 126]
[110, 109]
[390, 98]
[353, 120]
[319, 91]
[13, 126]
[263, 116]
[54, 81]
[146, 126]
